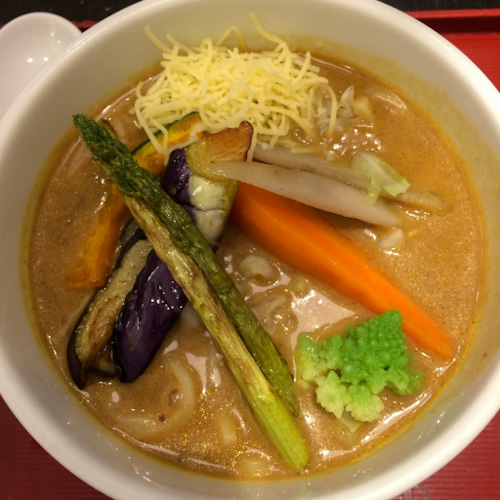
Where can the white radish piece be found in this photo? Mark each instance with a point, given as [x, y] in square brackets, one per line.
[311, 189]
[283, 157]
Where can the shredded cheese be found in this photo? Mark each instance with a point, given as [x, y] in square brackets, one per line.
[277, 90]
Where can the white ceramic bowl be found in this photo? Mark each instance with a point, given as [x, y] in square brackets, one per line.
[101, 62]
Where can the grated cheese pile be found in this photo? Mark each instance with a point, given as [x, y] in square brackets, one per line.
[277, 90]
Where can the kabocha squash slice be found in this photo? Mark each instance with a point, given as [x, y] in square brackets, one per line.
[93, 267]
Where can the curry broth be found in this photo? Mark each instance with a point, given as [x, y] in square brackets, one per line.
[186, 408]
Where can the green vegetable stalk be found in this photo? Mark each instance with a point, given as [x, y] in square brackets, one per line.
[349, 372]
[177, 241]
[382, 176]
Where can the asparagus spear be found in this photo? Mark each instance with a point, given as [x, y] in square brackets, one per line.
[154, 209]
[156, 300]
[267, 406]
[135, 182]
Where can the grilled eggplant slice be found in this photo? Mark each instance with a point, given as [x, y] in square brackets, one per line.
[156, 300]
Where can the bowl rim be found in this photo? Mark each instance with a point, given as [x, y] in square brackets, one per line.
[439, 455]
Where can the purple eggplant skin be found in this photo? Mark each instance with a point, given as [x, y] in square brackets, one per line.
[87, 346]
[96, 361]
[211, 212]
[156, 301]
[150, 310]
[175, 180]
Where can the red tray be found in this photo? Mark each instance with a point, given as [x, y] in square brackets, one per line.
[475, 32]
[27, 472]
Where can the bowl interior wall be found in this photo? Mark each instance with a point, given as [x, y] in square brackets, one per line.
[92, 70]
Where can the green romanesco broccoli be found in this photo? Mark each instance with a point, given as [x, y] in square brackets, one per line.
[349, 372]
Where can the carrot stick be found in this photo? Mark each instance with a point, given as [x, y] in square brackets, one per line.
[301, 237]
[92, 268]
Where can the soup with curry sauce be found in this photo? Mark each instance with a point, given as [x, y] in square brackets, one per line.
[186, 408]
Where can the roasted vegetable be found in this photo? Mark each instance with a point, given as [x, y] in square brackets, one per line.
[181, 133]
[268, 407]
[311, 189]
[155, 302]
[208, 287]
[94, 329]
[93, 332]
[149, 311]
[283, 157]
[92, 269]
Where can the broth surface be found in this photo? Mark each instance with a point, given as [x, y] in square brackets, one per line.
[186, 408]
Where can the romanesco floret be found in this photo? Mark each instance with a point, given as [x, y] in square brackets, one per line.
[350, 371]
